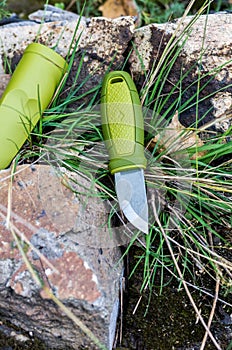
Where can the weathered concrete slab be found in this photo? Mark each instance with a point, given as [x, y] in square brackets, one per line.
[84, 278]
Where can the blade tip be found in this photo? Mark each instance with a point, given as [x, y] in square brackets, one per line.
[145, 231]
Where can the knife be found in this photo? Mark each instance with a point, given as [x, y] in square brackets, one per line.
[123, 133]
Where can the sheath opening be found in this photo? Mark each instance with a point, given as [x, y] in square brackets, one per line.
[116, 80]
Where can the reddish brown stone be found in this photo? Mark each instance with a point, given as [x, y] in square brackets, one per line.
[43, 213]
[75, 279]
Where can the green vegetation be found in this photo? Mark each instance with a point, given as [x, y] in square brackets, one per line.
[195, 199]
[156, 11]
[189, 229]
[186, 233]
[152, 11]
[3, 10]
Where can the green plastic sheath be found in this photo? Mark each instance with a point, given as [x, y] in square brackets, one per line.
[26, 96]
[122, 122]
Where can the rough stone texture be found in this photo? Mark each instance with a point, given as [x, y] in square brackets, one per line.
[208, 47]
[83, 278]
[52, 14]
[4, 80]
[53, 34]
[98, 43]
[105, 45]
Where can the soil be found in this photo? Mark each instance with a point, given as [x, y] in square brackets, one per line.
[167, 321]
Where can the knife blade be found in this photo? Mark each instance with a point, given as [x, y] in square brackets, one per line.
[123, 133]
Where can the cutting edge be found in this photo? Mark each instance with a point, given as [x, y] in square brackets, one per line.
[131, 194]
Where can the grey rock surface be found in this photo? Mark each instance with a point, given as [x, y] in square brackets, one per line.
[4, 80]
[85, 279]
[52, 14]
[102, 41]
[206, 54]
[99, 43]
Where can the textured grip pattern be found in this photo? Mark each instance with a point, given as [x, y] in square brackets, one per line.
[121, 118]
[121, 128]
[122, 122]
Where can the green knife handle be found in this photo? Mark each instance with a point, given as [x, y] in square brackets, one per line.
[122, 122]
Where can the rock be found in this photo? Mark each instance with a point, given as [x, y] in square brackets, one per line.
[98, 43]
[206, 54]
[4, 80]
[52, 14]
[14, 39]
[104, 45]
[96, 34]
[81, 251]
[84, 278]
